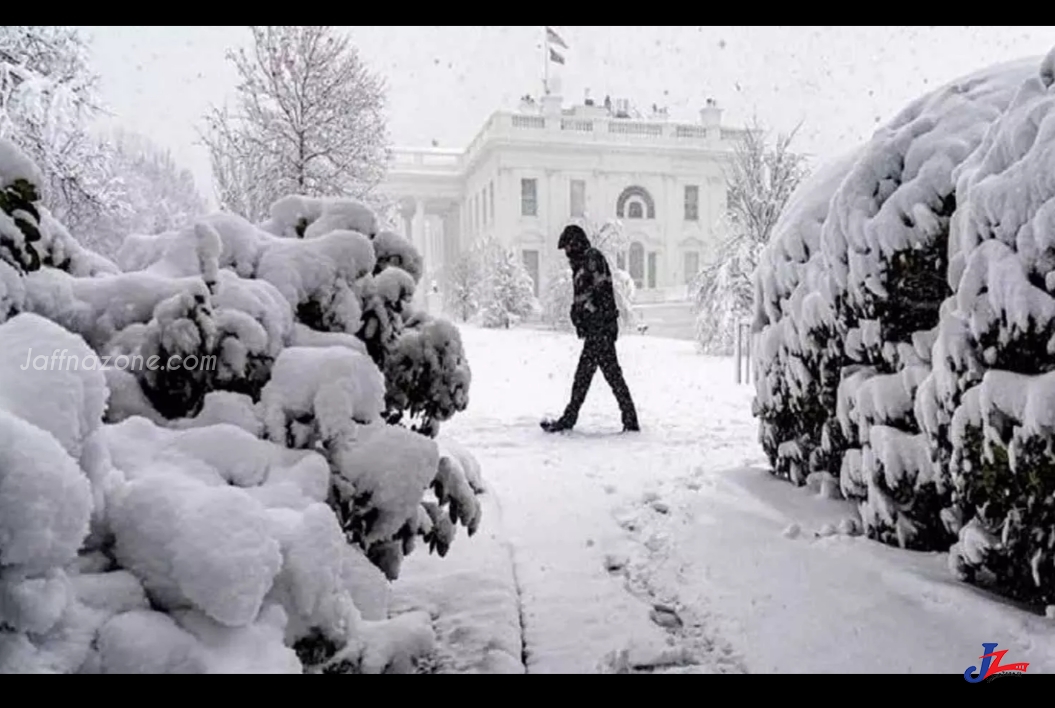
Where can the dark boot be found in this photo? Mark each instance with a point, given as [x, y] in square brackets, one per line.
[557, 426]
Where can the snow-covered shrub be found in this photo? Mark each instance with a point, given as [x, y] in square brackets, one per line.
[556, 298]
[926, 322]
[242, 514]
[996, 372]
[797, 352]
[507, 293]
[854, 326]
[886, 247]
[461, 283]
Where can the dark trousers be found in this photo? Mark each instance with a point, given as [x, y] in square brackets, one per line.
[598, 352]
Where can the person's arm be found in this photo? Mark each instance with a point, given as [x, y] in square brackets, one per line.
[597, 277]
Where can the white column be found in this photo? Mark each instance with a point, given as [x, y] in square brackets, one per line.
[417, 226]
[417, 230]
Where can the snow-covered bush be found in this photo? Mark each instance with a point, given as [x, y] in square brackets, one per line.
[241, 514]
[886, 244]
[905, 324]
[797, 350]
[556, 298]
[461, 282]
[507, 293]
[996, 372]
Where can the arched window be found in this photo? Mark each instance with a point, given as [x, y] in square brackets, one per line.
[642, 195]
[637, 264]
[634, 210]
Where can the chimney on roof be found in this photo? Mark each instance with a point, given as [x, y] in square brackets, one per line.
[711, 114]
[587, 100]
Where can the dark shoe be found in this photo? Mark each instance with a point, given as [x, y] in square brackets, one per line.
[556, 426]
[631, 428]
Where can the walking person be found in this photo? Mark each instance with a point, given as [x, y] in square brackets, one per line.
[596, 319]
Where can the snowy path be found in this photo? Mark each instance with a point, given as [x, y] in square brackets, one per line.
[664, 551]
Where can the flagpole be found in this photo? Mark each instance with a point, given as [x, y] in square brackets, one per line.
[545, 61]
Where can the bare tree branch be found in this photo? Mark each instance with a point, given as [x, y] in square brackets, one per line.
[308, 119]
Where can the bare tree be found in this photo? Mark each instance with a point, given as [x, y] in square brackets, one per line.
[155, 193]
[48, 100]
[760, 181]
[309, 119]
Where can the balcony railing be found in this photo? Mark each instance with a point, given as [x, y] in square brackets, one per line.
[569, 130]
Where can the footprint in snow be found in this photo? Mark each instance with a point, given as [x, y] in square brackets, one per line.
[615, 563]
[665, 616]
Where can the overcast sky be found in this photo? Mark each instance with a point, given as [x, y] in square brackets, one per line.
[443, 82]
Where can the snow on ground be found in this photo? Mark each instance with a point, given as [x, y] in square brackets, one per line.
[673, 550]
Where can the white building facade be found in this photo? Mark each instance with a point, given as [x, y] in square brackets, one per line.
[527, 174]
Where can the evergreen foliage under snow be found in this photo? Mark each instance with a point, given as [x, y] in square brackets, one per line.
[507, 293]
[905, 316]
[241, 513]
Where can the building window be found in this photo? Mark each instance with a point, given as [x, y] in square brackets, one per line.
[578, 198]
[491, 199]
[634, 210]
[692, 202]
[531, 264]
[652, 270]
[620, 260]
[639, 193]
[529, 197]
[637, 264]
[692, 266]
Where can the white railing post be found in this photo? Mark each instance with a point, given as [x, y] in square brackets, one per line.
[748, 361]
[739, 349]
[743, 352]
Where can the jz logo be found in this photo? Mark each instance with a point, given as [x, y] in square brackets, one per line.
[991, 665]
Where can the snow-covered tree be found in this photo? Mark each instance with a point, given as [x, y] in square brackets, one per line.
[507, 293]
[905, 319]
[309, 119]
[556, 298]
[154, 193]
[207, 480]
[760, 178]
[461, 285]
[47, 103]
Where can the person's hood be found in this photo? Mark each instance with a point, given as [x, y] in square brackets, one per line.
[574, 242]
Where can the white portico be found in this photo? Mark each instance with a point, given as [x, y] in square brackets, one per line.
[528, 173]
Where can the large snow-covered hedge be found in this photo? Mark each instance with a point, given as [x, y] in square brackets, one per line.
[901, 308]
[215, 453]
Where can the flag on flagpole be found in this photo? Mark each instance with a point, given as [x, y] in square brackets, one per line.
[554, 57]
[554, 38]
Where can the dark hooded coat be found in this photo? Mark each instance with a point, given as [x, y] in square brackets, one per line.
[594, 312]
